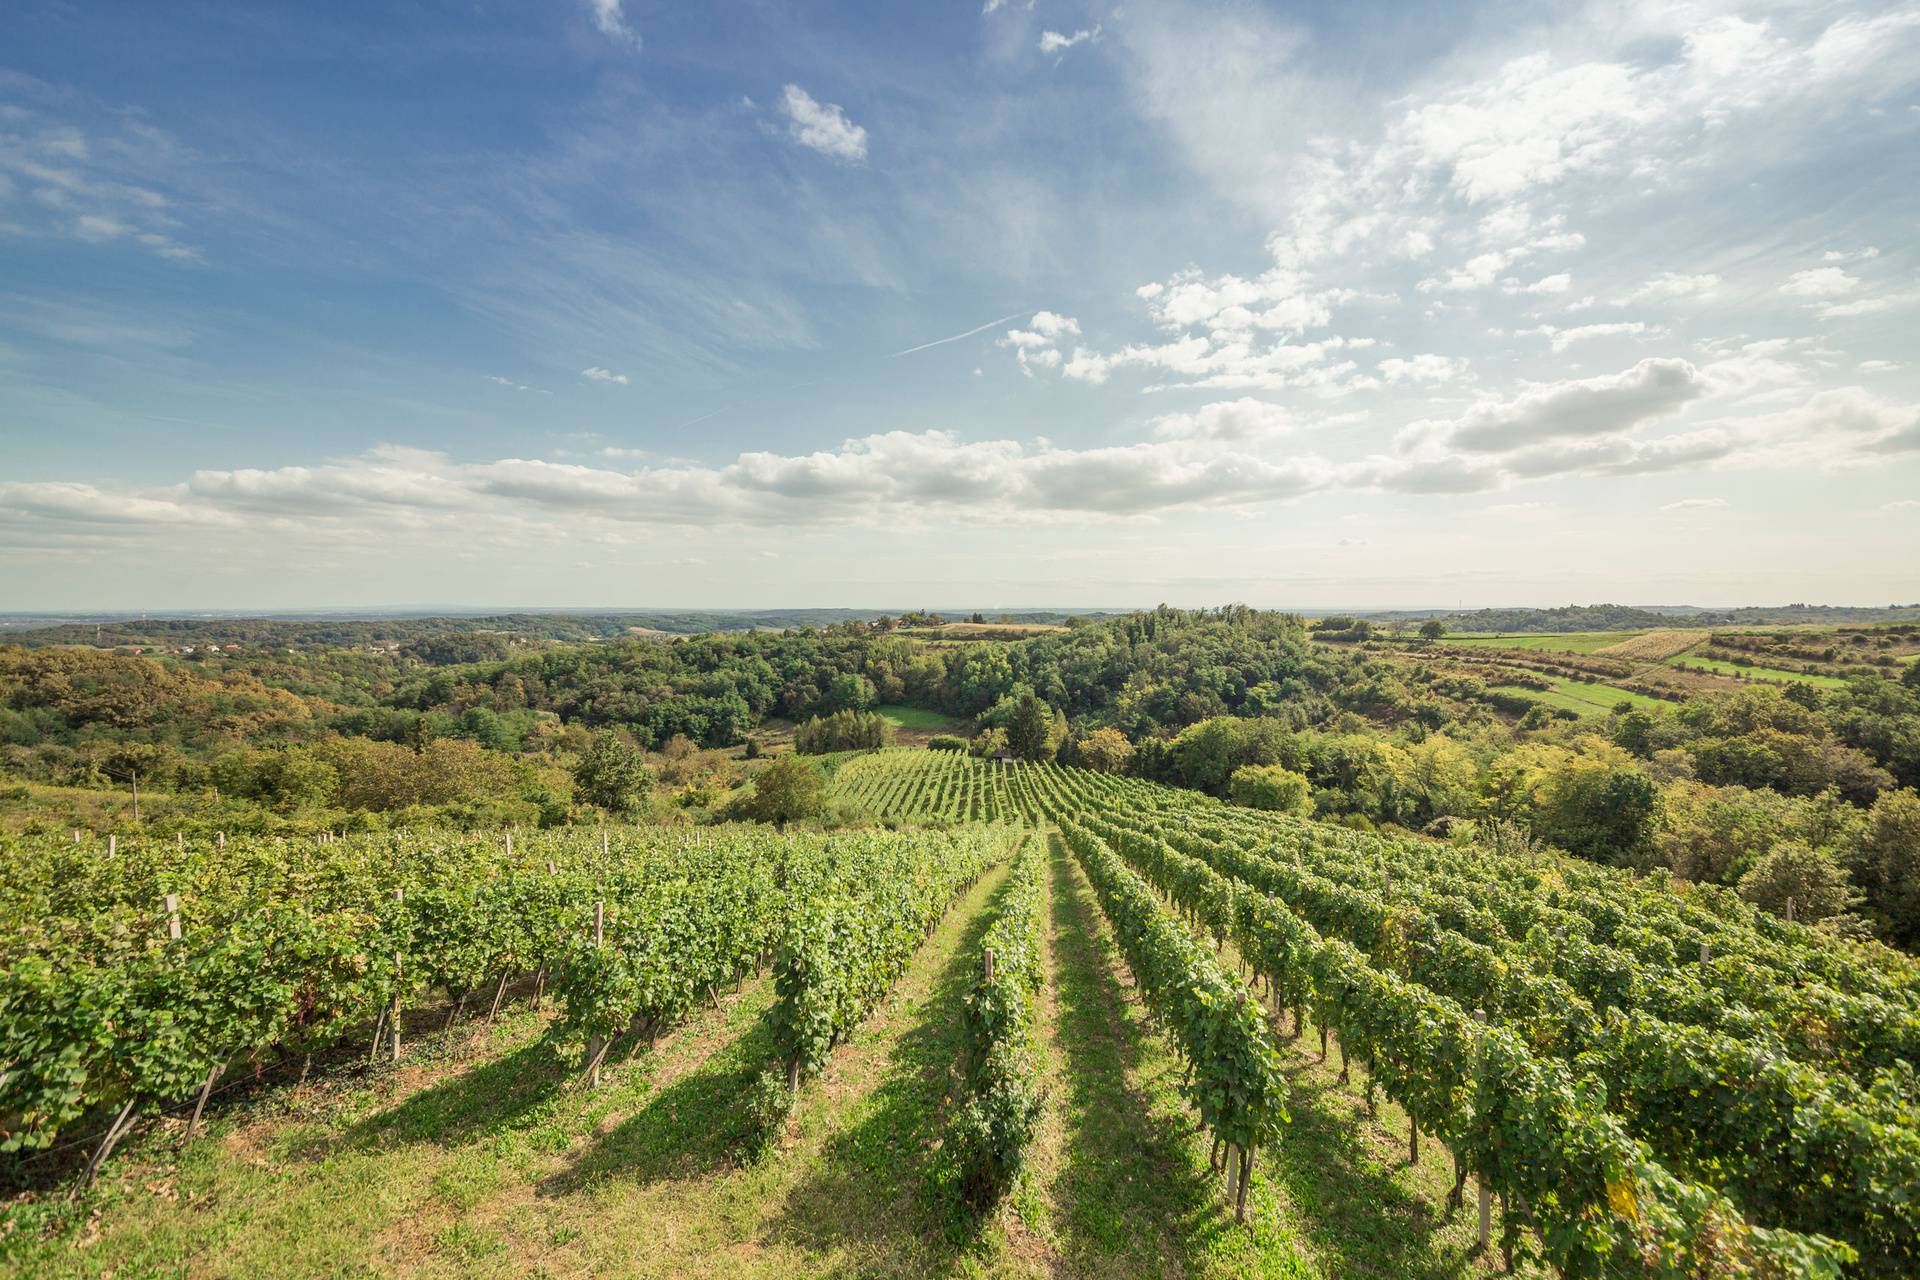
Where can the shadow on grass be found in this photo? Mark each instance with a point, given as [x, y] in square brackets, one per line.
[1130, 1193]
[883, 1184]
[694, 1125]
[1346, 1202]
[487, 1099]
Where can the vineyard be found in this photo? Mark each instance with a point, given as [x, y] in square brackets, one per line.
[937, 1031]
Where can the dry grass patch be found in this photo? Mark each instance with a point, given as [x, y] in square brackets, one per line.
[1655, 646]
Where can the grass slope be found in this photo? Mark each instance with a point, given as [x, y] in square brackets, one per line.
[1584, 699]
[1772, 674]
[917, 718]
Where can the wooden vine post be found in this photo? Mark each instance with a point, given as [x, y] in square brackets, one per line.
[393, 1007]
[1485, 1195]
[597, 1045]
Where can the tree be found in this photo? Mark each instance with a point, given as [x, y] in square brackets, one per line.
[1890, 866]
[843, 731]
[1432, 629]
[1792, 870]
[1030, 729]
[785, 791]
[1271, 786]
[612, 774]
[1105, 751]
[1601, 812]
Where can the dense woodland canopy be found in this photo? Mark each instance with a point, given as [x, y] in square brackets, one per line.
[1766, 784]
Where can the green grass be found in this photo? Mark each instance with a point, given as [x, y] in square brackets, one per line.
[917, 718]
[1571, 642]
[1584, 699]
[1719, 667]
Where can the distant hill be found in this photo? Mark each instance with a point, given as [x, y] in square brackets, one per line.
[1622, 617]
[345, 629]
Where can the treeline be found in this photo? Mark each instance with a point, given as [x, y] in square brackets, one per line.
[1620, 617]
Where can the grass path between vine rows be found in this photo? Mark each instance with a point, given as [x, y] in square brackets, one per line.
[1335, 1196]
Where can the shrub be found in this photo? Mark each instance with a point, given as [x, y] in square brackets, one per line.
[946, 742]
[1273, 787]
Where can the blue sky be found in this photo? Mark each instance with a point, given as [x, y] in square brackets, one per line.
[594, 303]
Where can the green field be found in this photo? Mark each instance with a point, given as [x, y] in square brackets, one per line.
[917, 718]
[1571, 642]
[1584, 699]
[1775, 674]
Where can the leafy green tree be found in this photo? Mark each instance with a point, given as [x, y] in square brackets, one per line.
[1601, 812]
[612, 774]
[1432, 629]
[1890, 867]
[787, 790]
[1030, 729]
[1104, 750]
[844, 731]
[1271, 786]
[1815, 882]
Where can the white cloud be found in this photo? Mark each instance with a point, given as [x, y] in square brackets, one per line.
[1582, 408]
[1820, 282]
[597, 374]
[1670, 285]
[1695, 504]
[1052, 42]
[1552, 284]
[1859, 307]
[1422, 368]
[1880, 366]
[612, 23]
[1034, 346]
[823, 126]
[1245, 419]
[1561, 339]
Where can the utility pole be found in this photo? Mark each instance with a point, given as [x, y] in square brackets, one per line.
[134, 774]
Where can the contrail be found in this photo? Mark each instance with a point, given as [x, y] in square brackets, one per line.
[939, 342]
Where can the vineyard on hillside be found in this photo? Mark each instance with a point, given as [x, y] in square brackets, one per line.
[1636, 1077]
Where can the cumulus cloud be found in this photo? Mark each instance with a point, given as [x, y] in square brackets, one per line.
[1585, 407]
[1820, 282]
[1245, 419]
[597, 374]
[1422, 368]
[823, 126]
[1553, 284]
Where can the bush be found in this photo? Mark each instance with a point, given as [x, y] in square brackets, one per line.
[785, 791]
[1273, 787]
[946, 742]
